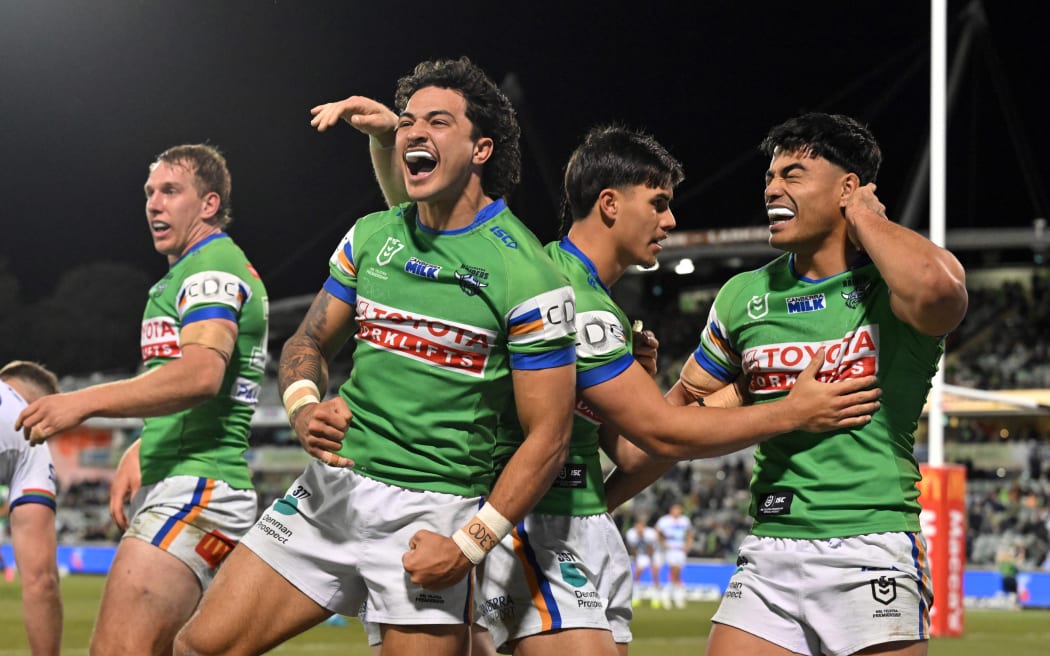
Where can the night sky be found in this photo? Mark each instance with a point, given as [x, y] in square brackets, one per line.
[91, 91]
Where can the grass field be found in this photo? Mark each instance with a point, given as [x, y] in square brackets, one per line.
[656, 632]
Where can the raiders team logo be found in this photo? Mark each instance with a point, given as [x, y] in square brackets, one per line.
[471, 279]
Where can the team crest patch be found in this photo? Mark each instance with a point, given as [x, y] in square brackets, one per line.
[213, 548]
[884, 590]
[471, 279]
[758, 306]
[854, 292]
[386, 253]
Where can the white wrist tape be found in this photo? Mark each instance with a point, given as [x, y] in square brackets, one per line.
[482, 533]
[298, 394]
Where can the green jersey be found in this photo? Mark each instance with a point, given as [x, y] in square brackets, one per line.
[213, 280]
[603, 352]
[768, 323]
[442, 319]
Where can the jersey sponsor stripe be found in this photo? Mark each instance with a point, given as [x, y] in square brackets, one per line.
[542, 596]
[418, 347]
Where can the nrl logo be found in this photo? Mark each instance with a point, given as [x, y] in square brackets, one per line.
[387, 252]
[471, 279]
[758, 306]
[884, 590]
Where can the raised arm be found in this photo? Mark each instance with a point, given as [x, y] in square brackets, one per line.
[927, 283]
[379, 122]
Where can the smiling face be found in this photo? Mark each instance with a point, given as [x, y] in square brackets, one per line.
[439, 151]
[643, 220]
[803, 198]
[178, 215]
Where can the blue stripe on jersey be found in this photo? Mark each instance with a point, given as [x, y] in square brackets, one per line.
[602, 373]
[181, 514]
[199, 245]
[541, 579]
[530, 316]
[712, 367]
[548, 360]
[345, 294]
[486, 213]
[592, 270]
[210, 312]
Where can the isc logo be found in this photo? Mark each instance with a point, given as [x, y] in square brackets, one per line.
[507, 240]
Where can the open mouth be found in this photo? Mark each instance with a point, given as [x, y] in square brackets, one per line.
[159, 226]
[420, 162]
[779, 214]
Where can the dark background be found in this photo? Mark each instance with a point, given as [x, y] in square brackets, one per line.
[91, 91]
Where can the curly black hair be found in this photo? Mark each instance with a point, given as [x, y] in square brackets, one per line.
[488, 109]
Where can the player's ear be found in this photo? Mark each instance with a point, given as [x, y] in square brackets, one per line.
[850, 184]
[210, 204]
[482, 150]
[608, 204]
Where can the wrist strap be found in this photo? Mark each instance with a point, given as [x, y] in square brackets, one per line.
[298, 394]
[482, 533]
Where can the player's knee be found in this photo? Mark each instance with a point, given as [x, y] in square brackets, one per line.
[189, 643]
[195, 640]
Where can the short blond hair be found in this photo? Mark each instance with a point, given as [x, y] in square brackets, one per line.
[32, 373]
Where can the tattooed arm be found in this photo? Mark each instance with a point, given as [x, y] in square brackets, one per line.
[324, 330]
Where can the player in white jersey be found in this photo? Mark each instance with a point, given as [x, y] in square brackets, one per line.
[676, 535]
[30, 475]
[643, 543]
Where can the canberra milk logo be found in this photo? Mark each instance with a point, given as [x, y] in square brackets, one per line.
[811, 303]
[418, 267]
[758, 306]
[387, 252]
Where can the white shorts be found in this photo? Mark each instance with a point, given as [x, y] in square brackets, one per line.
[197, 520]
[339, 537]
[675, 557]
[555, 572]
[642, 562]
[831, 597]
